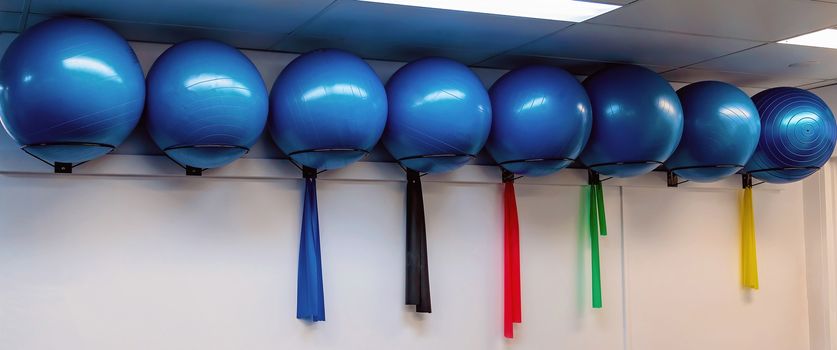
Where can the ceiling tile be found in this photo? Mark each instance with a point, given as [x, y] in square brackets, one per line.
[11, 5]
[762, 20]
[690, 75]
[34, 19]
[630, 45]
[779, 59]
[574, 66]
[401, 27]
[819, 84]
[6, 40]
[381, 49]
[274, 16]
[9, 21]
[174, 33]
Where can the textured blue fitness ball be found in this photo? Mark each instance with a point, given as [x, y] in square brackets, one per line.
[70, 90]
[207, 103]
[637, 121]
[541, 119]
[328, 109]
[798, 133]
[439, 115]
[720, 132]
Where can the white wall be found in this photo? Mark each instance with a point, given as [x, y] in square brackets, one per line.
[129, 254]
[105, 262]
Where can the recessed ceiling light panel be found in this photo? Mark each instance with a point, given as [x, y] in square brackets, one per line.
[556, 10]
[824, 38]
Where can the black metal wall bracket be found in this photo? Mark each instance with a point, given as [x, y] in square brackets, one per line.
[309, 173]
[594, 178]
[192, 171]
[63, 168]
[673, 180]
[508, 176]
[747, 181]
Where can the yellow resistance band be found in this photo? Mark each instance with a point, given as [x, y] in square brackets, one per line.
[749, 263]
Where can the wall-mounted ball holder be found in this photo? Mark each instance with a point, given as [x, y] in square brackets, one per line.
[417, 291]
[747, 181]
[192, 171]
[673, 180]
[60, 167]
[508, 176]
[363, 152]
[637, 162]
[790, 168]
[530, 160]
[435, 156]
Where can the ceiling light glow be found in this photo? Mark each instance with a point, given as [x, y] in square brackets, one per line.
[556, 10]
[824, 38]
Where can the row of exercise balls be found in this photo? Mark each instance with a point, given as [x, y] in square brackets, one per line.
[328, 108]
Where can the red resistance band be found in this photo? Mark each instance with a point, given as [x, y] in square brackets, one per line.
[511, 247]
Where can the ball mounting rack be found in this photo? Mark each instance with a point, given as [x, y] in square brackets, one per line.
[193, 171]
[673, 180]
[747, 178]
[62, 167]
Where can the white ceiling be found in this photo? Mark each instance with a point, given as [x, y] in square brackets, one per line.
[685, 40]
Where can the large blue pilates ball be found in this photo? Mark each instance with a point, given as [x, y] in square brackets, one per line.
[439, 115]
[69, 89]
[328, 109]
[207, 103]
[797, 132]
[720, 132]
[637, 119]
[541, 115]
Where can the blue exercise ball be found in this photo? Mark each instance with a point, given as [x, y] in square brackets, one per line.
[328, 109]
[207, 103]
[720, 132]
[72, 89]
[637, 121]
[798, 133]
[439, 115]
[541, 119]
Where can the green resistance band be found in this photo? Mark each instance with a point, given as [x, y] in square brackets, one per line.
[597, 226]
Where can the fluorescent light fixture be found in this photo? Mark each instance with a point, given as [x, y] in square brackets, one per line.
[825, 38]
[557, 10]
